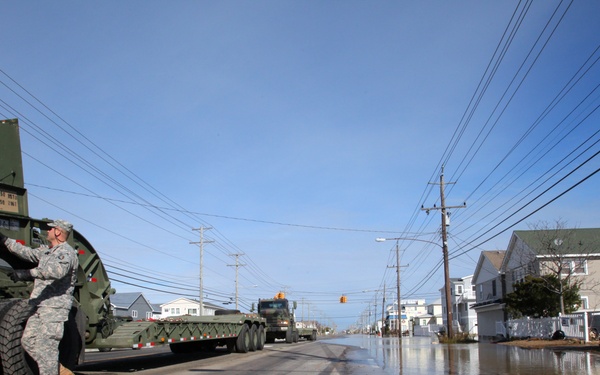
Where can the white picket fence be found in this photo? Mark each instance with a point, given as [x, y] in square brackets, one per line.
[574, 326]
[427, 330]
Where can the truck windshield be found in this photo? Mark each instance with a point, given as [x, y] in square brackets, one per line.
[278, 305]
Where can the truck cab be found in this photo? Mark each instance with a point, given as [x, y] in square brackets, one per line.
[280, 319]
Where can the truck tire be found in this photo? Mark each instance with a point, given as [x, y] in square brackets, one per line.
[230, 345]
[296, 337]
[15, 361]
[253, 338]
[243, 340]
[289, 336]
[260, 333]
[313, 337]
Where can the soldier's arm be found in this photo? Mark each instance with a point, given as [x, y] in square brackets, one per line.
[22, 251]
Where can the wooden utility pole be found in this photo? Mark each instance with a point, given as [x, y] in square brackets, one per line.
[237, 265]
[443, 208]
[398, 266]
[382, 311]
[201, 244]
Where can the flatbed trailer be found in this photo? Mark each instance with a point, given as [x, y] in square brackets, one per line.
[91, 322]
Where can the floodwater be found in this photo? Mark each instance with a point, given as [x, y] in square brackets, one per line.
[424, 356]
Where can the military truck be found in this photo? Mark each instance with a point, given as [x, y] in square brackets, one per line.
[281, 321]
[91, 322]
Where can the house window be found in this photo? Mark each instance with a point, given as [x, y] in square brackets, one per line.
[193, 311]
[459, 289]
[494, 288]
[148, 314]
[480, 291]
[574, 267]
[584, 303]
[134, 314]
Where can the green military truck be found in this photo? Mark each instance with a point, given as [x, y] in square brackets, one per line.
[281, 321]
[91, 323]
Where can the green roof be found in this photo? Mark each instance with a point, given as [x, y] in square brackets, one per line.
[565, 241]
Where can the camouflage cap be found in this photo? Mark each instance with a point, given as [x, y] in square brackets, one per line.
[62, 224]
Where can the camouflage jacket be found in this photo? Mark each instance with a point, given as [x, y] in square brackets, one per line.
[55, 274]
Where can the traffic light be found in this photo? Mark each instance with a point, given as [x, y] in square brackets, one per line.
[343, 299]
[280, 295]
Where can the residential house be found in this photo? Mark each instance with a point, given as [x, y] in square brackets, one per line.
[156, 311]
[431, 321]
[489, 292]
[131, 305]
[410, 309]
[462, 293]
[186, 306]
[432, 317]
[573, 253]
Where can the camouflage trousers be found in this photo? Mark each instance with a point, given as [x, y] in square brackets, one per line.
[42, 335]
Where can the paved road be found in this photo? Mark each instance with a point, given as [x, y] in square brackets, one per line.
[305, 357]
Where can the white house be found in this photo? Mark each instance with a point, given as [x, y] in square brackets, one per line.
[410, 309]
[431, 321]
[432, 317]
[462, 299]
[186, 306]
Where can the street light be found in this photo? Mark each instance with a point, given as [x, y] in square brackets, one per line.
[446, 275]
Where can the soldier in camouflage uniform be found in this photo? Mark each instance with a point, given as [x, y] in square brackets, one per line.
[52, 296]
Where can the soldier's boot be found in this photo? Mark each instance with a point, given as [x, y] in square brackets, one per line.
[65, 371]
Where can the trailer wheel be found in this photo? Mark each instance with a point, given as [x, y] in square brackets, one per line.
[253, 338]
[260, 333]
[15, 361]
[243, 341]
[230, 345]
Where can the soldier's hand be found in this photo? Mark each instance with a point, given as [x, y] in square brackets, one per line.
[20, 275]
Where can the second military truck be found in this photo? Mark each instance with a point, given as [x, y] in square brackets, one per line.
[281, 321]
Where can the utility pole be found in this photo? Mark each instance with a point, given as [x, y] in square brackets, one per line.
[382, 311]
[445, 215]
[237, 265]
[398, 266]
[201, 244]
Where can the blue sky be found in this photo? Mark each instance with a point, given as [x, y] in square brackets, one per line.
[301, 131]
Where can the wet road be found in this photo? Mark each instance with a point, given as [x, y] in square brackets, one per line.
[352, 355]
[420, 356]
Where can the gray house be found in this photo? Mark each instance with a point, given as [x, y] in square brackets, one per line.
[133, 305]
[489, 291]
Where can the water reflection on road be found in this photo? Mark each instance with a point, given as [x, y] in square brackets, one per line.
[420, 355]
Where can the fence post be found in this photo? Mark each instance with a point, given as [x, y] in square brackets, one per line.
[586, 331]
